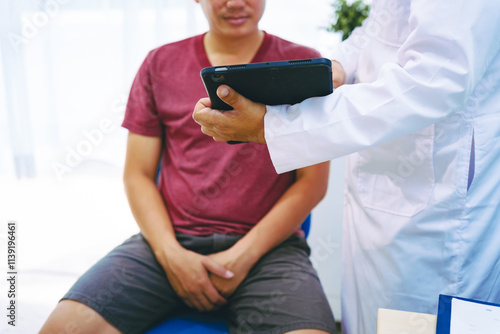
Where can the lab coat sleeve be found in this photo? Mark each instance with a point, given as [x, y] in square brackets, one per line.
[449, 47]
[349, 50]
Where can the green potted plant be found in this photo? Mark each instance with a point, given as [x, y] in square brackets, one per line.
[348, 16]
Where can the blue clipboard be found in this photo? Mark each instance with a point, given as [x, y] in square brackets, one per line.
[444, 312]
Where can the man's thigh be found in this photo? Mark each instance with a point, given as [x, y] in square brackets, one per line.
[128, 288]
[281, 293]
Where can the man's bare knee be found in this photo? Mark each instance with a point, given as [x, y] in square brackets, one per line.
[73, 317]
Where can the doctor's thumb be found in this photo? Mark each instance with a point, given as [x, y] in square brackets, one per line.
[231, 97]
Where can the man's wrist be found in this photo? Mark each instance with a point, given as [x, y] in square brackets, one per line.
[171, 247]
[246, 252]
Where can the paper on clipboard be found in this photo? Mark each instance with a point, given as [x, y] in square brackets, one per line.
[399, 322]
[468, 317]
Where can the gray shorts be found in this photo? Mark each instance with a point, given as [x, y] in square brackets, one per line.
[281, 293]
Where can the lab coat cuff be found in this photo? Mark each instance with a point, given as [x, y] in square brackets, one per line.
[274, 127]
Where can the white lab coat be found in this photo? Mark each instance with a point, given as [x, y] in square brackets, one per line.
[427, 77]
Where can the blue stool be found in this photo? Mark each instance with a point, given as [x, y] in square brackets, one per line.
[194, 322]
[199, 322]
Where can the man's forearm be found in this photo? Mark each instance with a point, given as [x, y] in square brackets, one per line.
[285, 216]
[150, 213]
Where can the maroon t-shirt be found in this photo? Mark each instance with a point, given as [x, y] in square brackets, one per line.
[208, 187]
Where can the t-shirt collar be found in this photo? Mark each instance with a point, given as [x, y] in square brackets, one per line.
[203, 58]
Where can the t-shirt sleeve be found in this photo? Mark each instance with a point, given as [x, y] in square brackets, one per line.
[141, 114]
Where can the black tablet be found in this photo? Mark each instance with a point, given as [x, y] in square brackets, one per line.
[271, 83]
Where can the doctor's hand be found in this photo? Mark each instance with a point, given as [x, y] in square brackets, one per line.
[244, 123]
[338, 74]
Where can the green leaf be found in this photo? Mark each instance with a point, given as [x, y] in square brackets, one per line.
[348, 16]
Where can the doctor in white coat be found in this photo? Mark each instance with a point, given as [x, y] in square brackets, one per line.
[421, 107]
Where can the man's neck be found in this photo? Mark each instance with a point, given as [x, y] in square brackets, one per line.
[228, 51]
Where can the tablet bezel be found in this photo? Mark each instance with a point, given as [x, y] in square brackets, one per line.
[271, 83]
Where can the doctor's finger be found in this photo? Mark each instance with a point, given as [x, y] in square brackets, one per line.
[202, 113]
[338, 74]
[235, 100]
[215, 135]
